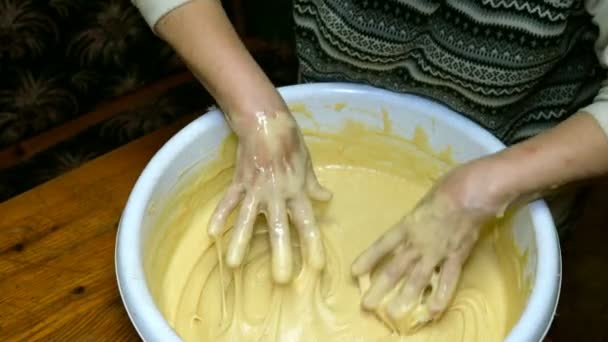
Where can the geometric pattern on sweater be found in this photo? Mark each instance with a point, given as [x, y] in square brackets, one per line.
[515, 67]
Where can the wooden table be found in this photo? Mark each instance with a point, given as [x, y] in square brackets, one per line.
[57, 280]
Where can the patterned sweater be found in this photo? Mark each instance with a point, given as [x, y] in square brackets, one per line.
[516, 67]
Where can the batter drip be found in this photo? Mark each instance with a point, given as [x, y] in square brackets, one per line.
[375, 178]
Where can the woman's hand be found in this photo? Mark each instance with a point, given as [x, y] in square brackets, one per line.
[274, 176]
[430, 244]
[428, 247]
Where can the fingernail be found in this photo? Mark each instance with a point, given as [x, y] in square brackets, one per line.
[400, 308]
[326, 195]
[370, 301]
[316, 254]
[396, 310]
[356, 268]
[234, 258]
[376, 293]
[320, 193]
[435, 308]
[281, 272]
[213, 231]
[212, 228]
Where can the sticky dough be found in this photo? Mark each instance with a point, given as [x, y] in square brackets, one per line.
[376, 178]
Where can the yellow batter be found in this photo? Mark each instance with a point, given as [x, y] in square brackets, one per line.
[375, 178]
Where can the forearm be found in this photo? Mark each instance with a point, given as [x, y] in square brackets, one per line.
[573, 151]
[203, 36]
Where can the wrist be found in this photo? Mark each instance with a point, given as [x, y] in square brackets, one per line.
[249, 123]
[482, 185]
[243, 107]
[249, 104]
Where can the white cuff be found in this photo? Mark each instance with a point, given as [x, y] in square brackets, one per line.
[153, 10]
[599, 107]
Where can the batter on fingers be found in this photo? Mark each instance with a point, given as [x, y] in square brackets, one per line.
[204, 300]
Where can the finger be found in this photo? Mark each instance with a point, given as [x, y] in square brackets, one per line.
[386, 243]
[315, 190]
[388, 277]
[448, 281]
[304, 219]
[282, 260]
[242, 232]
[223, 209]
[410, 294]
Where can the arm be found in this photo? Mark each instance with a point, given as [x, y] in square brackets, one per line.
[202, 35]
[435, 239]
[444, 226]
[269, 138]
[575, 150]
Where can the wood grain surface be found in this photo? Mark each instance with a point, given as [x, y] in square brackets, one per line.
[57, 280]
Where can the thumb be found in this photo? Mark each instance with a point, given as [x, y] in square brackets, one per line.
[315, 190]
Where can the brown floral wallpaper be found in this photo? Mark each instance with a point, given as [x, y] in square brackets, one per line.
[59, 59]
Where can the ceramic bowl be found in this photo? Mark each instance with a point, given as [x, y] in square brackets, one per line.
[534, 230]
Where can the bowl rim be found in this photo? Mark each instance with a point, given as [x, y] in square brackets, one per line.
[149, 321]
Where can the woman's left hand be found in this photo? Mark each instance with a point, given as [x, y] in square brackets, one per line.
[428, 247]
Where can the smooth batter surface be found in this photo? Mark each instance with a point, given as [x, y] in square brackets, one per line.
[375, 178]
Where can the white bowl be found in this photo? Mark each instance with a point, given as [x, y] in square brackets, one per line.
[534, 229]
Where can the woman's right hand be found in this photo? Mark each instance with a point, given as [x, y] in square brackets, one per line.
[274, 176]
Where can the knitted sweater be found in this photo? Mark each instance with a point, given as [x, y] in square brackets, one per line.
[516, 67]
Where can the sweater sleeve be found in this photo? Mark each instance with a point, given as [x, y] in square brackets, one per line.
[599, 108]
[153, 10]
